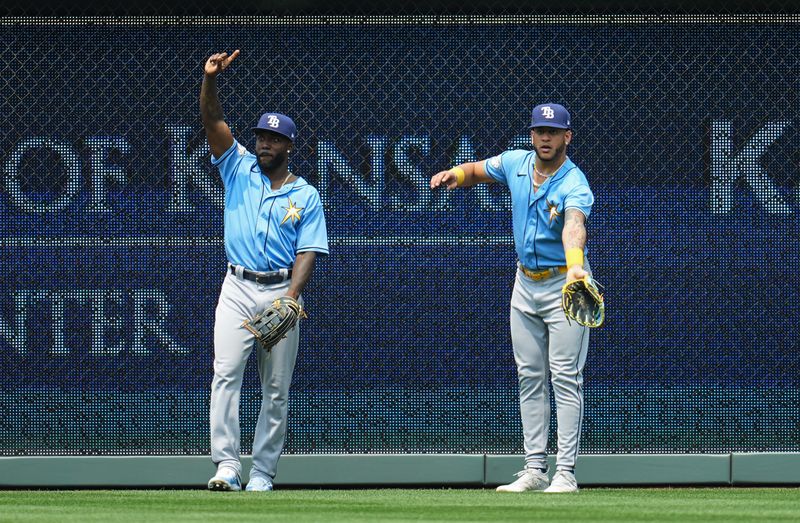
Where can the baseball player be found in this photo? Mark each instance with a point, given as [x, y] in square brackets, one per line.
[274, 229]
[551, 201]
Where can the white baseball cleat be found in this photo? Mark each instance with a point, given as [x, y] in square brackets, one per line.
[259, 484]
[563, 481]
[225, 480]
[527, 479]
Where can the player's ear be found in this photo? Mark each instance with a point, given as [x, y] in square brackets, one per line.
[568, 136]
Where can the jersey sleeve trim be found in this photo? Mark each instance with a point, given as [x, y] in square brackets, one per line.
[320, 250]
[583, 212]
[217, 161]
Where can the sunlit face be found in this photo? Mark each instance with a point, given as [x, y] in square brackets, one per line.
[550, 143]
[272, 150]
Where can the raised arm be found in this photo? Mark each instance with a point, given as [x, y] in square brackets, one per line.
[218, 133]
[464, 175]
[574, 239]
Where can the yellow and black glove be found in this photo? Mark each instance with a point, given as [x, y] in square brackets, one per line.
[582, 302]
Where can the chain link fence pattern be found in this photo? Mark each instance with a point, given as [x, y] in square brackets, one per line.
[112, 253]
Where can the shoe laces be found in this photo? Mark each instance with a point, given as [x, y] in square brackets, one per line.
[524, 472]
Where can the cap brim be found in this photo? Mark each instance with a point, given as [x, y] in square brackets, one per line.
[553, 125]
[272, 131]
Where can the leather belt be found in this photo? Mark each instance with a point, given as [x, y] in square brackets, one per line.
[264, 278]
[542, 274]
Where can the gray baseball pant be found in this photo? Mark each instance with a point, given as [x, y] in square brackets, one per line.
[547, 347]
[241, 299]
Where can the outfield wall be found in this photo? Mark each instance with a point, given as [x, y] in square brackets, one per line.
[316, 471]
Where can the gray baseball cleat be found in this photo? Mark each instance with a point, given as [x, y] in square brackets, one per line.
[563, 481]
[527, 479]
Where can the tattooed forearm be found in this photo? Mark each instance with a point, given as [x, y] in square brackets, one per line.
[574, 233]
[210, 108]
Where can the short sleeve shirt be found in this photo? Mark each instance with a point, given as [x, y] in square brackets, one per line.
[538, 217]
[265, 229]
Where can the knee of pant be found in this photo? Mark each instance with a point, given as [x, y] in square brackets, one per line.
[224, 383]
[224, 374]
[566, 378]
[532, 383]
[275, 395]
[277, 384]
[528, 372]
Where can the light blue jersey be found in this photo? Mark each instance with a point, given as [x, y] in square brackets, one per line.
[539, 217]
[264, 230]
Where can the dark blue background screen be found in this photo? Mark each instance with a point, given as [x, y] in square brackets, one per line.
[112, 251]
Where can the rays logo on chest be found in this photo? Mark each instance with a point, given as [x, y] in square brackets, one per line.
[292, 212]
[552, 209]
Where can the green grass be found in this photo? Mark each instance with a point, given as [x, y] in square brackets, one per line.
[397, 505]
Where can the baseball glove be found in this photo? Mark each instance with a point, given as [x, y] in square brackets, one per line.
[272, 325]
[582, 302]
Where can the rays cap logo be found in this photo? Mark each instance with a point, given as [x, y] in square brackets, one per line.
[551, 115]
[277, 123]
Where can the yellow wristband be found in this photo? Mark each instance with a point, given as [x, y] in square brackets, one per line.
[574, 257]
[460, 175]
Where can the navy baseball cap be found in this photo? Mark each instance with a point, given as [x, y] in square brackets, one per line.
[551, 115]
[277, 123]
